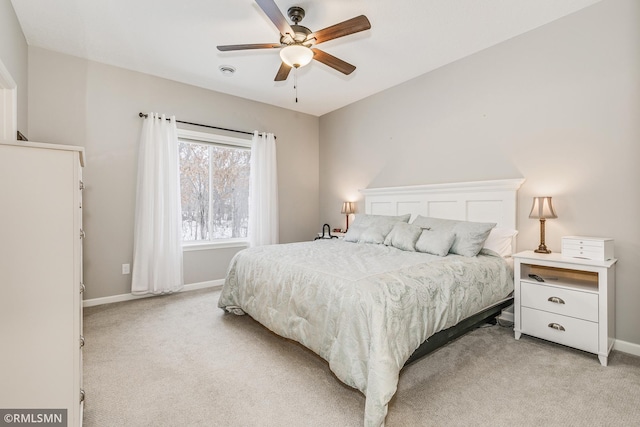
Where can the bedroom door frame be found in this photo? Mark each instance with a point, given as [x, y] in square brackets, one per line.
[8, 105]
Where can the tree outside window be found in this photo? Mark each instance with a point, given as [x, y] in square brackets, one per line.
[214, 183]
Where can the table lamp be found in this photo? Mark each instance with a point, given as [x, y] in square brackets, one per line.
[348, 208]
[542, 209]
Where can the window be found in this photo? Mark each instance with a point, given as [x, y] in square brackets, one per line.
[214, 185]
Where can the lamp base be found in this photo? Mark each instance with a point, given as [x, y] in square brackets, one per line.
[542, 248]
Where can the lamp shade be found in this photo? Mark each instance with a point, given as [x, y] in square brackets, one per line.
[348, 208]
[296, 55]
[542, 208]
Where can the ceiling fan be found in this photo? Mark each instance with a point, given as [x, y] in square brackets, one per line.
[297, 42]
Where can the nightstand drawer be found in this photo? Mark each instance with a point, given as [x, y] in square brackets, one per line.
[582, 305]
[576, 333]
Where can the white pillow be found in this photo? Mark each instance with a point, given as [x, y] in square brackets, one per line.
[372, 228]
[403, 236]
[435, 242]
[470, 236]
[500, 240]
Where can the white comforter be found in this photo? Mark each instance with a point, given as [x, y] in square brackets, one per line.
[364, 308]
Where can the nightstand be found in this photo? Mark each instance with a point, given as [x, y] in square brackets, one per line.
[574, 306]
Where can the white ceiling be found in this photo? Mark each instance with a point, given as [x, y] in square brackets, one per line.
[177, 40]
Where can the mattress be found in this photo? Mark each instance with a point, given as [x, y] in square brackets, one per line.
[364, 308]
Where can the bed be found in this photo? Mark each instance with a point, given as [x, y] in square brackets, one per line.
[370, 308]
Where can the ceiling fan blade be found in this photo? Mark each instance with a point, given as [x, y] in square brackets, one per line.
[270, 8]
[333, 62]
[283, 73]
[350, 26]
[230, 47]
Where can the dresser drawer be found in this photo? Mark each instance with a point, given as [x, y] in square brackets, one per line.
[576, 333]
[582, 305]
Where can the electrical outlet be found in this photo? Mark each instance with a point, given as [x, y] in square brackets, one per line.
[126, 269]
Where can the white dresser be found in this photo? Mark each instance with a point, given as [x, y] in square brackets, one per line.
[573, 306]
[41, 277]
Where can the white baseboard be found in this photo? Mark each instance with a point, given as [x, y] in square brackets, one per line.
[627, 347]
[128, 297]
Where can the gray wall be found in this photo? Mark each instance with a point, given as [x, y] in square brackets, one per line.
[559, 106]
[79, 102]
[13, 54]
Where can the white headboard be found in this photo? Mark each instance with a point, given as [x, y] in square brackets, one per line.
[480, 201]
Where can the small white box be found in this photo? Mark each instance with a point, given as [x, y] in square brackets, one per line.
[595, 248]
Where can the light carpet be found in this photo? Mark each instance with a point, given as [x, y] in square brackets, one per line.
[178, 360]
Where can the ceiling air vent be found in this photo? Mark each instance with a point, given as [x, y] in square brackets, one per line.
[227, 70]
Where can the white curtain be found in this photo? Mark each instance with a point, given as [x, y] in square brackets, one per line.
[263, 191]
[157, 252]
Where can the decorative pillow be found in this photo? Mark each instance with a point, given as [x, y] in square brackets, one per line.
[500, 240]
[403, 236]
[435, 242]
[359, 224]
[372, 228]
[470, 236]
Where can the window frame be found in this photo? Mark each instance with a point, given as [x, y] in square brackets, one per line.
[219, 140]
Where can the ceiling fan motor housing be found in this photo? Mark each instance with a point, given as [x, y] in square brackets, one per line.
[300, 33]
[296, 14]
[299, 36]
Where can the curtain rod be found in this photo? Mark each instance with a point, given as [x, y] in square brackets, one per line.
[206, 126]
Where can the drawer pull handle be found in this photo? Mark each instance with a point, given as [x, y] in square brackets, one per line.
[556, 300]
[556, 326]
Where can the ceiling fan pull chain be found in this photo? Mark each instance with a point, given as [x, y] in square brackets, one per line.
[295, 82]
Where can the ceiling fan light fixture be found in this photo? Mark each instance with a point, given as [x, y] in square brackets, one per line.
[296, 55]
